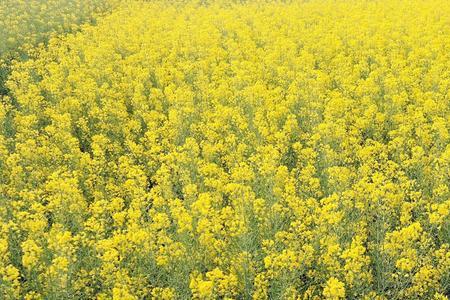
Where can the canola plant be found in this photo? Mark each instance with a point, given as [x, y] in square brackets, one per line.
[231, 150]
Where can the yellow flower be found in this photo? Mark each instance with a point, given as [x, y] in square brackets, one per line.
[31, 254]
[334, 289]
[205, 289]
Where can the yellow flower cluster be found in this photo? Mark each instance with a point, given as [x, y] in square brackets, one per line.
[230, 150]
[26, 23]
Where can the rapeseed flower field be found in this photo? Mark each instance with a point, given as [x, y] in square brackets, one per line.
[24, 24]
[226, 150]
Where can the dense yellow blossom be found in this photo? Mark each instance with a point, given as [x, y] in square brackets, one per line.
[225, 149]
[26, 23]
